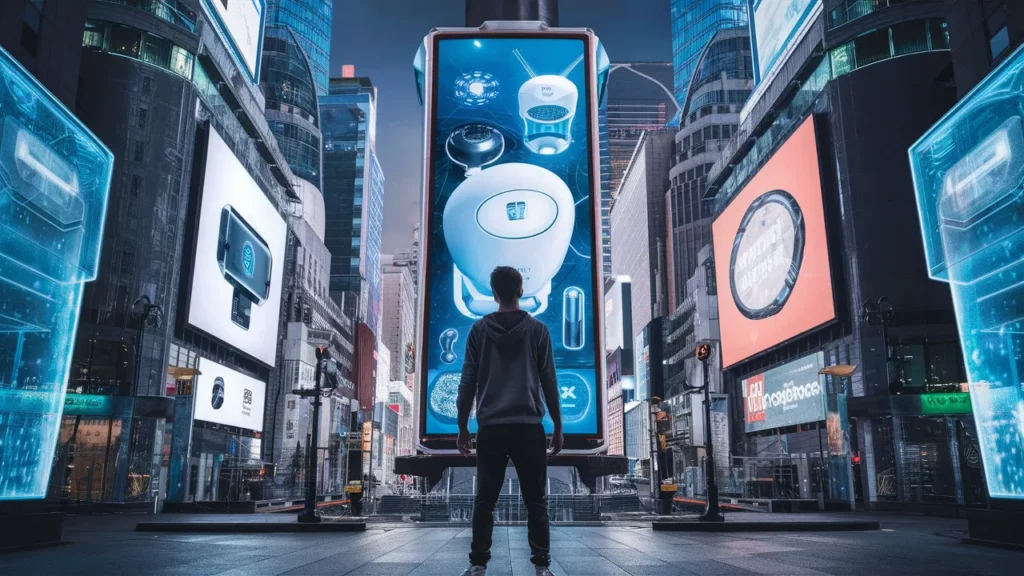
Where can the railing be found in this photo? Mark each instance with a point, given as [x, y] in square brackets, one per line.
[173, 11]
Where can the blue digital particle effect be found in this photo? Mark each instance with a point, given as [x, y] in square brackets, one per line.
[968, 174]
[54, 182]
[476, 88]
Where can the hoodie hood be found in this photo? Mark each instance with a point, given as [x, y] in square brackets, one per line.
[506, 327]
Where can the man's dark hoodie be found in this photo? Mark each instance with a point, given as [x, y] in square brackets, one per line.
[509, 369]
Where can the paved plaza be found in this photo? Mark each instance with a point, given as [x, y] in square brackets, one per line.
[906, 545]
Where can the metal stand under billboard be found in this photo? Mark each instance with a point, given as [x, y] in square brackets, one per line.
[968, 170]
[511, 179]
[54, 182]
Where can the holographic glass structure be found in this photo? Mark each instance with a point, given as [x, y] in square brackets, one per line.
[54, 181]
[968, 174]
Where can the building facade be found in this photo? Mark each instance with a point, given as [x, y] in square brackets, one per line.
[694, 23]
[638, 224]
[398, 325]
[817, 112]
[310, 21]
[720, 84]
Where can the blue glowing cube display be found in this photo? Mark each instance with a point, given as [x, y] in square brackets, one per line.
[969, 180]
[54, 181]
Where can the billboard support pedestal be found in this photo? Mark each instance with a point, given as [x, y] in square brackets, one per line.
[26, 524]
[589, 467]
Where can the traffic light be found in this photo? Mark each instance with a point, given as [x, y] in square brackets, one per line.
[703, 351]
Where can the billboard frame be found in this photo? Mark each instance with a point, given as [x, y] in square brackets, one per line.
[575, 443]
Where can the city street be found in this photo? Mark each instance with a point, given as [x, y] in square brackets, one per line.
[906, 545]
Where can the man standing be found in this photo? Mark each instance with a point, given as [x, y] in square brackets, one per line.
[509, 370]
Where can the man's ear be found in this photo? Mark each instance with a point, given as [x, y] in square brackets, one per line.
[520, 292]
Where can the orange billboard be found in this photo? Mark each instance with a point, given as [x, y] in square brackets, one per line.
[771, 253]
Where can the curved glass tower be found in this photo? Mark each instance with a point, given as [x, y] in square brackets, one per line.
[311, 22]
[694, 23]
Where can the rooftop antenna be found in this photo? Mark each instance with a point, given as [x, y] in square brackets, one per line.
[565, 73]
[523, 62]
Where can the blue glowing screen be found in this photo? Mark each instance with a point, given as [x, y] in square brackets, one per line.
[54, 180]
[968, 175]
[510, 184]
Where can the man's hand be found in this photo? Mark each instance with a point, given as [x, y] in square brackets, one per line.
[557, 440]
[462, 443]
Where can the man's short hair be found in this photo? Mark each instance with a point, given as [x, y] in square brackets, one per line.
[506, 282]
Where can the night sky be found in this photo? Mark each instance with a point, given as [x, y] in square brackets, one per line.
[381, 37]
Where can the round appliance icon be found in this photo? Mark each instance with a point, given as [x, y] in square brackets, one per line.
[573, 397]
[218, 393]
[766, 255]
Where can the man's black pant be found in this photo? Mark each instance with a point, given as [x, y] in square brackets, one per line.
[526, 445]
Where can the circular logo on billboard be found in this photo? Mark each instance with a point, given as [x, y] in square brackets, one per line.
[218, 393]
[573, 397]
[766, 255]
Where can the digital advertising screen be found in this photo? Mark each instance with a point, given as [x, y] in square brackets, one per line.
[793, 393]
[239, 258]
[777, 24]
[511, 181]
[55, 177]
[228, 397]
[968, 170]
[241, 23]
[771, 249]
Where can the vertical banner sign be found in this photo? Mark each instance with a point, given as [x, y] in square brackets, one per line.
[511, 157]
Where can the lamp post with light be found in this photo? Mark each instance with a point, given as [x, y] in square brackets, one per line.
[325, 366]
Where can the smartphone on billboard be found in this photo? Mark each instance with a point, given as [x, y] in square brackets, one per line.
[511, 179]
[244, 260]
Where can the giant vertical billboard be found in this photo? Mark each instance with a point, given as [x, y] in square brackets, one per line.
[241, 22]
[771, 250]
[238, 265]
[968, 171]
[511, 180]
[54, 183]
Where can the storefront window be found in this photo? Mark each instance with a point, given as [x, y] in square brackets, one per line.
[927, 467]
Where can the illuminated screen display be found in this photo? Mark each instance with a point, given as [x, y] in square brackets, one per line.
[968, 170]
[241, 22]
[228, 397]
[239, 258]
[510, 184]
[776, 24]
[54, 184]
[777, 283]
[793, 393]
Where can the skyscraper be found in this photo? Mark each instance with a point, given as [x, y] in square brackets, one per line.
[694, 23]
[398, 321]
[640, 99]
[310, 20]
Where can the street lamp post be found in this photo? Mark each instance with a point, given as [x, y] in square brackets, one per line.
[323, 364]
[145, 313]
[712, 513]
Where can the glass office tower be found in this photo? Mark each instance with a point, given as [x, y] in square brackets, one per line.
[694, 23]
[311, 22]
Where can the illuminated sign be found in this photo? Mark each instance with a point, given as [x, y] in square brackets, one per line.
[793, 393]
[511, 181]
[772, 237]
[239, 258]
[54, 183]
[240, 22]
[228, 397]
[968, 171]
[953, 403]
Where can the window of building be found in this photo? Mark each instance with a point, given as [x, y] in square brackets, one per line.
[147, 85]
[143, 117]
[30, 24]
[157, 51]
[125, 40]
[872, 47]
[139, 154]
[909, 37]
[999, 43]
[181, 61]
[94, 34]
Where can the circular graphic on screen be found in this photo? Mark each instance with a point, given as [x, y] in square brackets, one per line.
[573, 397]
[443, 396]
[218, 393]
[766, 255]
[475, 89]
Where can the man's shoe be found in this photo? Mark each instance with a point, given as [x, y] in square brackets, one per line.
[543, 571]
[477, 571]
